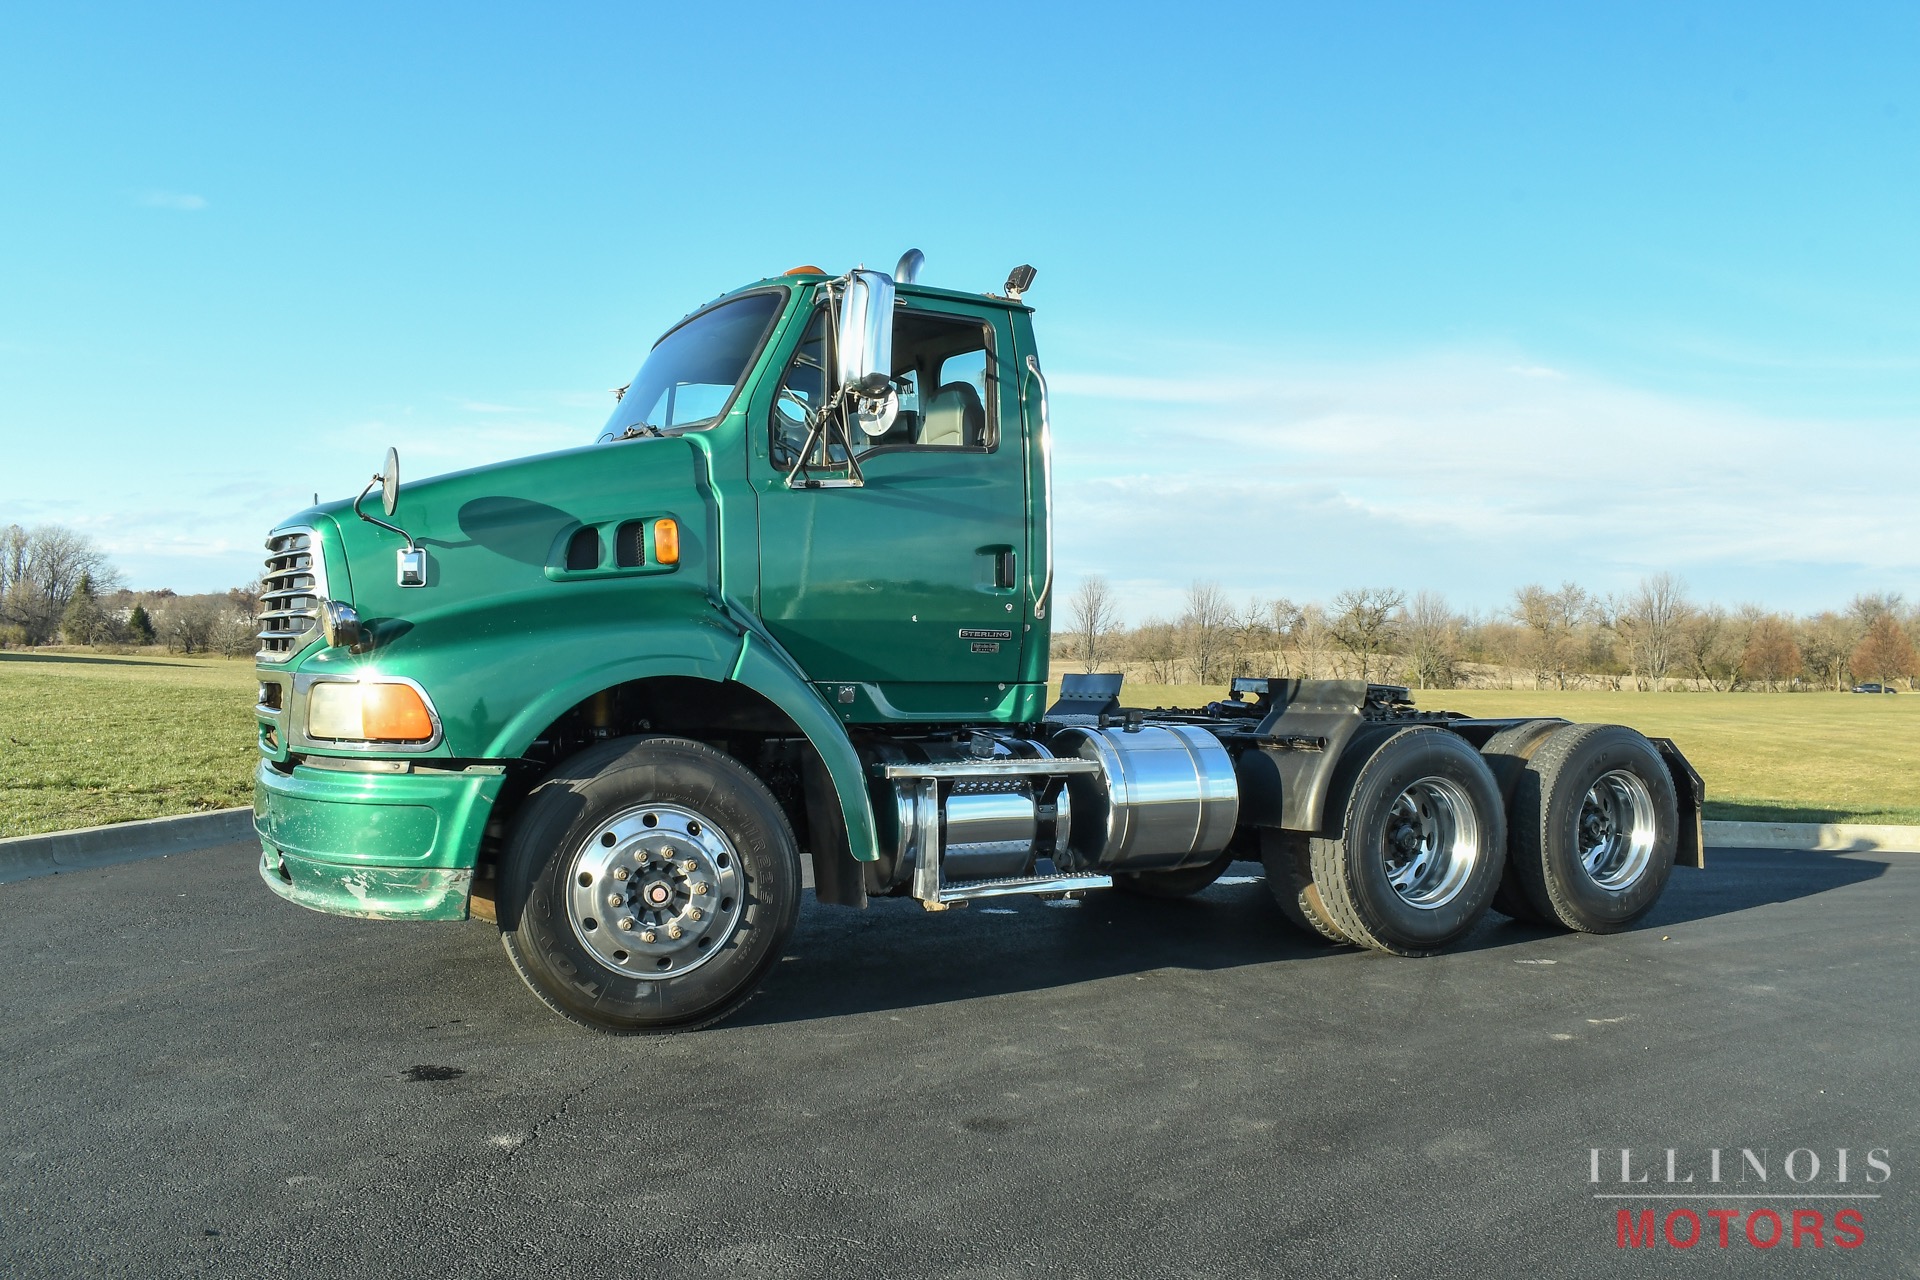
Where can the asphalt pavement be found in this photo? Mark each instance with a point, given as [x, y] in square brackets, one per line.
[203, 1079]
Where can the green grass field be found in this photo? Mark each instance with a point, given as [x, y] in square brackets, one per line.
[1776, 757]
[88, 739]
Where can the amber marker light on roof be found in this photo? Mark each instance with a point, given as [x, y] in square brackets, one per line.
[803, 271]
[666, 541]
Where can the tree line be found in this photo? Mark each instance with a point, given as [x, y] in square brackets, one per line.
[1653, 637]
[57, 584]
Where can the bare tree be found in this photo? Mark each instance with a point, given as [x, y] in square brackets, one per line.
[1827, 640]
[1771, 655]
[1248, 640]
[1156, 643]
[1551, 621]
[1289, 624]
[1869, 607]
[1886, 651]
[232, 634]
[1094, 619]
[1207, 624]
[40, 569]
[189, 625]
[1364, 625]
[1648, 624]
[1711, 648]
[1432, 634]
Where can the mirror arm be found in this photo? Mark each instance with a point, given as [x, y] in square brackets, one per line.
[391, 528]
[819, 433]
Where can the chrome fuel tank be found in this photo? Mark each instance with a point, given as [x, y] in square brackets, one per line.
[1165, 797]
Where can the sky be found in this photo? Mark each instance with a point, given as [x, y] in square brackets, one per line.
[1431, 297]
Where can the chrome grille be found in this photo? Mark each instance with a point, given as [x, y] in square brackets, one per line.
[292, 587]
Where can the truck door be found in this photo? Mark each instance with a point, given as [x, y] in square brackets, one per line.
[907, 587]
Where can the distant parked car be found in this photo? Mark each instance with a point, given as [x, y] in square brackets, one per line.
[1874, 688]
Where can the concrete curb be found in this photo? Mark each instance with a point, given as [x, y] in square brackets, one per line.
[24, 857]
[1825, 837]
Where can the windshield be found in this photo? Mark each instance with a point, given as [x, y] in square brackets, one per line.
[691, 373]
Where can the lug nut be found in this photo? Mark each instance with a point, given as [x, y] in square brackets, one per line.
[689, 866]
[649, 936]
[619, 873]
[674, 931]
[626, 922]
[614, 899]
[693, 913]
[697, 888]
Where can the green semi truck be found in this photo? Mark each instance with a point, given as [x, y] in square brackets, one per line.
[798, 596]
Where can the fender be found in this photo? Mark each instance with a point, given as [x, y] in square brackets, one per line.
[763, 668]
[702, 650]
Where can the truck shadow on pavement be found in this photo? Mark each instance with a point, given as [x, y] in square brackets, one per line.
[894, 955]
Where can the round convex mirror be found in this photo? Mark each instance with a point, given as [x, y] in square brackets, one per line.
[390, 481]
[875, 415]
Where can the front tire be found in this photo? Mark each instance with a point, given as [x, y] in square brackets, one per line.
[1421, 849]
[648, 886]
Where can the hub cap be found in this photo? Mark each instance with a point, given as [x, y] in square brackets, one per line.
[1432, 843]
[1616, 832]
[654, 892]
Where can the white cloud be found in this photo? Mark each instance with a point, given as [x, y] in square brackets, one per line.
[178, 201]
[1469, 472]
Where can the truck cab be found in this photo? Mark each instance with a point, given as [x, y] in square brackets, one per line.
[795, 596]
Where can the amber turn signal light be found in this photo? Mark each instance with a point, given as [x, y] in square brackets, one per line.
[345, 711]
[666, 541]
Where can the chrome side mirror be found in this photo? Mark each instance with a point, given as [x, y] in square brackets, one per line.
[863, 350]
[863, 331]
[390, 481]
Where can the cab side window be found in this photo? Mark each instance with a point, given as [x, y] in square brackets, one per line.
[947, 361]
[942, 367]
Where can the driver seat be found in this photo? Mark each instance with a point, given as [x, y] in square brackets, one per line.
[955, 418]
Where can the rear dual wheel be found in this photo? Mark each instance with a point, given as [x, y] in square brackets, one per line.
[1421, 848]
[1288, 859]
[1596, 824]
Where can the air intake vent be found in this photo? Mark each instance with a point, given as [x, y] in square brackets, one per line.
[291, 588]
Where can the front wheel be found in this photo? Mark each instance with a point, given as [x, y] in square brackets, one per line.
[648, 886]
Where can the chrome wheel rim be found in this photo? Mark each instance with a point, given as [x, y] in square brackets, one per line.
[1616, 830]
[655, 891]
[1432, 843]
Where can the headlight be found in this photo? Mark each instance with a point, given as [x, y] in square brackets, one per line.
[340, 624]
[370, 711]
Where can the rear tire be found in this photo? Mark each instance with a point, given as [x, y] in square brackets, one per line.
[1421, 849]
[1288, 858]
[1507, 753]
[648, 886]
[1596, 823]
[1182, 882]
